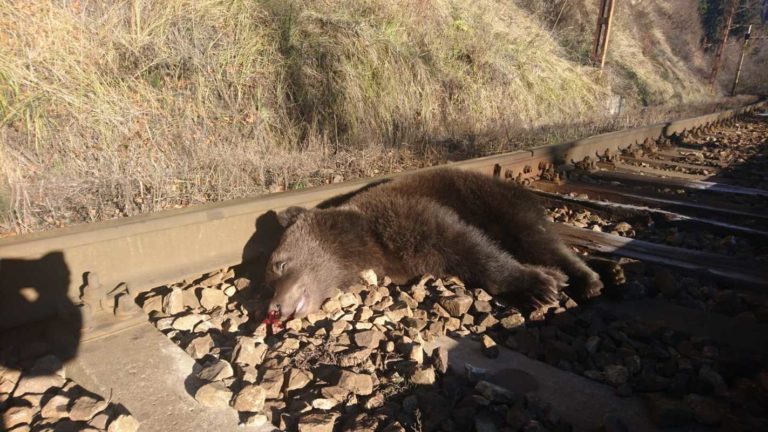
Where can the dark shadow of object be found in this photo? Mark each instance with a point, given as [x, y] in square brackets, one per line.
[253, 266]
[259, 248]
[192, 383]
[37, 317]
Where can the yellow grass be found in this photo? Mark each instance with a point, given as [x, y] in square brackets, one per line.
[113, 108]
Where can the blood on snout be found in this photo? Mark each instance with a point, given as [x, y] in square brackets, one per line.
[273, 319]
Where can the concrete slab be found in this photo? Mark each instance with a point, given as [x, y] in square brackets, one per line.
[578, 400]
[151, 376]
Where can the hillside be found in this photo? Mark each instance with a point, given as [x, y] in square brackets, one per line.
[115, 108]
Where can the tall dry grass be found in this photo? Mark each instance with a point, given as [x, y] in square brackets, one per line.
[654, 55]
[113, 108]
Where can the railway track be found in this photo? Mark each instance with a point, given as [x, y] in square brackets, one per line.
[149, 310]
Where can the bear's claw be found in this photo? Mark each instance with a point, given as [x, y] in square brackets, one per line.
[543, 286]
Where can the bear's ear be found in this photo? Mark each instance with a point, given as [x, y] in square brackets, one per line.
[289, 216]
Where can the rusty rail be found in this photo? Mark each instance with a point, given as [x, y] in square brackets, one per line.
[138, 253]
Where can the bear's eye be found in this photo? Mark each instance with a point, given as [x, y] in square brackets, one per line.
[278, 267]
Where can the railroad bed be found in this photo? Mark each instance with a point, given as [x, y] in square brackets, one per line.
[157, 320]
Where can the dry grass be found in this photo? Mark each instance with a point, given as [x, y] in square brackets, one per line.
[653, 56]
[114, 108]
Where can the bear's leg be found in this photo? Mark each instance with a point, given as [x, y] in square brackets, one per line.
[585, 282]
[544, 247]
[476, 259]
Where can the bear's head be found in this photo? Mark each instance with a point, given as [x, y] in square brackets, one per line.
[319, 251]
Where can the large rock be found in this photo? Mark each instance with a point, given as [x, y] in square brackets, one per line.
[416, 353]
[331, 306]
[490, 349]
[456, 305]
[512, 321]
[424, 375]
[190, 299]
[152, 304]
[272, 382]
[85, 407]
[452, 324]
[214, 394]
[124, 423]
[18, 415]
[8, 379]
[247, 374]
[482, 306]
[418, 293]
[318, 422]
[398, 311]
[482, 295]
[338, 327]
[218, 371]
[354, 357]
[256, 420]
[407, 299]
[368, 338]
[440, 359]
[188, 322]
[248, 351]
[495, 393]
[37, 384]
[173, 302]
[324, 403]
[369, 277]
[250, 399]
[212, 298]
[298, 379]
[99, 421]
[335, 392]
[348, 300]
[357, 383]
[199, 347]
[294, 324]
[289, 346]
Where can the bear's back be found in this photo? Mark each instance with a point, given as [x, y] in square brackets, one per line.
[477, 199]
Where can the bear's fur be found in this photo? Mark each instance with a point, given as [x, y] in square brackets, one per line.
[489, 233]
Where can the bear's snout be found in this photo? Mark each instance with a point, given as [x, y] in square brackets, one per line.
[286, 311]
[290, 299]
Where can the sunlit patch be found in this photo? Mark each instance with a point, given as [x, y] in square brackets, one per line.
[30, 294]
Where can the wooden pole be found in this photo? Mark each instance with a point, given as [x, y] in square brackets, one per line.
[741, 60]
[602, 32]
[723, 41]
[598, 31]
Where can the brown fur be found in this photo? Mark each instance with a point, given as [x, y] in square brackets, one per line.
[489, 233]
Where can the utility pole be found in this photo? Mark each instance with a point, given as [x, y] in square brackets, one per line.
[741, 59]
[599, 49]
[723, 41]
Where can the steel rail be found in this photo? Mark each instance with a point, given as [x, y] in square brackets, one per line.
[145, 251]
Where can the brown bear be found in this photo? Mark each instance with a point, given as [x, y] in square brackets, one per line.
[491, 234]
